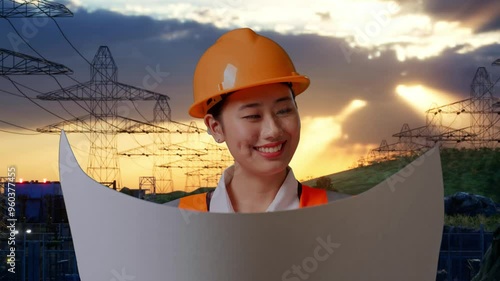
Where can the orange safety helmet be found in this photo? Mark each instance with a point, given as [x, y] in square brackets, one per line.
[241, 59]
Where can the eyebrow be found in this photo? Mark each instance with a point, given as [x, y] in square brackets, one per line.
[256, 104]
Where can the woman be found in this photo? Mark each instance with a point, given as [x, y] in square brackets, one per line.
[244, 89]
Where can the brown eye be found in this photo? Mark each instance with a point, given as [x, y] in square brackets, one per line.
[284, 111]
[251, 117]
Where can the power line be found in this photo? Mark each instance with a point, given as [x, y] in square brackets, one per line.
[18, 126]
[17, 133]
[36, 91]
[34, 102]
[14, 94]
[55, 79]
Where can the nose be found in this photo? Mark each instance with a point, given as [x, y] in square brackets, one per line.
[272, 128]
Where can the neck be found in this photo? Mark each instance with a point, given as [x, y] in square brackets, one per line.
[250, 193]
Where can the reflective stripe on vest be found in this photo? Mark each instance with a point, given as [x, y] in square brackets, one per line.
[196, 202]
[308, 197]
[312, 197]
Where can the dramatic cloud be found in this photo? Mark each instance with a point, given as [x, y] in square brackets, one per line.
[412, 29]
[482, 15]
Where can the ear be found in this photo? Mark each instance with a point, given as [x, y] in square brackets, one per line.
[214, 127]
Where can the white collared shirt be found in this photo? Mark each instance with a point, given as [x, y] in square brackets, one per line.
[285, 199]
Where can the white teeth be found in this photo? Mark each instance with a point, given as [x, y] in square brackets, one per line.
[270, 149]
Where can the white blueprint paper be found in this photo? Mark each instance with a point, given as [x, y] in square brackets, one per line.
[391, 232]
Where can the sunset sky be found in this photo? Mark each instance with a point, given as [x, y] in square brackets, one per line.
[373, 65]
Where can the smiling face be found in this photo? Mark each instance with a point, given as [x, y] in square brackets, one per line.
[261, 127]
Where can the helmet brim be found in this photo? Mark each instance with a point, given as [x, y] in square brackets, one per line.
[299, 84]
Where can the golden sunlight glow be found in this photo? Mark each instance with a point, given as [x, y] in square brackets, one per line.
[358, 103]
[348, 110]
[317, 154]
[317, 135]
[422, 98]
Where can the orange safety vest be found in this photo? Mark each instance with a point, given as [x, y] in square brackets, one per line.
[308, 197]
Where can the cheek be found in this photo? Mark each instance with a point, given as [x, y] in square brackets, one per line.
[241, 138]
[292, 126]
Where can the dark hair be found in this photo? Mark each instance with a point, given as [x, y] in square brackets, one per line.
[216, 110]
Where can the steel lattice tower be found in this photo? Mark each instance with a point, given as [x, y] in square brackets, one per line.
[202, 166]
[32, 8]
[483, 115]
[163, 150]
[163, 177]
[147, 183]
[14, 63]
[202, 163]
[103, 161]
[481, 111]
[103, 123]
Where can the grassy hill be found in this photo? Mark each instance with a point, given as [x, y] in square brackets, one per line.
[470, 170]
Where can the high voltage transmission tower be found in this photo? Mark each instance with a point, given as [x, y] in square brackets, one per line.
[202, 163]
[202, 166]
[14, 63]
[473, 123]
[406, 145]
[32, 8]
[481, 111]
[103, 123]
